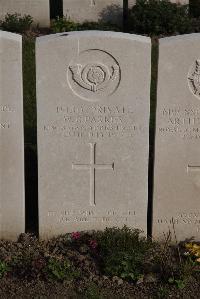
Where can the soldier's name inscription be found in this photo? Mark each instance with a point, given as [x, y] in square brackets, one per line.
[94, 122]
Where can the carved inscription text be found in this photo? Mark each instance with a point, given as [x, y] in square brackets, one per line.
[94, 122]
[180, 122]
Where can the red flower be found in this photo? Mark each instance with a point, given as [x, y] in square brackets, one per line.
[75, 235]
[93, 244]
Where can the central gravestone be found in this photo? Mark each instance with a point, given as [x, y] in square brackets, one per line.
[93, 113]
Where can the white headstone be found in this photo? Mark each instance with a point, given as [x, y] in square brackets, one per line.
[94, 10]
[131, 3]
[12, 202]
[177, 149]
[181, 2]
[93, 113]
[39, 10]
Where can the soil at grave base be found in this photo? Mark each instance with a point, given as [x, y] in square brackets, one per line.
[27, 281]
[18, 288]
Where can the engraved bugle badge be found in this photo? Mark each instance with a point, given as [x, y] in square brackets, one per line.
[94, 75]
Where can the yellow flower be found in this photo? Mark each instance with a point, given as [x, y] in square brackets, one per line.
[196, 247]
[188, 245]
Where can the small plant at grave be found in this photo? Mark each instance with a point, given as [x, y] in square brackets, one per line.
[175, 268]
[122, 252]
[28, 265]
[163, 292]
[193, 251]
[98, 26]
[124, 265]
[16, 23]
[85, 242]
[93, 292]
[63, 25]
[74, 239]
[179, 283]
[61, 269]
[75, 236]
[4, 268]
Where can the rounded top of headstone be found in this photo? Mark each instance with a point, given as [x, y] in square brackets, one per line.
[95, 33]
[9, 35]
[180, 38]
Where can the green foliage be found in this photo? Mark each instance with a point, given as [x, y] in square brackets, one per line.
[93, 292]
[16, 23]
[3, 268]
[163, 292]
[124, 265]
[156, 17]
[180, 284]
[122, 252]
[65, 24]
[61, 270]
[124, 239]
[194, 8]
[98, 26]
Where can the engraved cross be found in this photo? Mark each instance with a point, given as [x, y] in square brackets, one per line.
[193, 168]
[92, 167]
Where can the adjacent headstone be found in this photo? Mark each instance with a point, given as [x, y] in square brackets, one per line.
[131, 3]
[100, 10]
[12, 214]
[177, 150]
[39, 10]
[94, 10]
[181, 2]
[93, 113]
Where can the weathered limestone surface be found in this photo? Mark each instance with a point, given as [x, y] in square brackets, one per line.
[177, 150]
[12, 214]
[93, 117]
[94, 10]
[38, 9]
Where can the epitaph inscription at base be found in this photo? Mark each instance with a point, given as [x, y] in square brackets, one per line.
[93, 113]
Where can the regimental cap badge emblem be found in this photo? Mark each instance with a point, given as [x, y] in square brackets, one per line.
[94, 75]
[194, 78]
